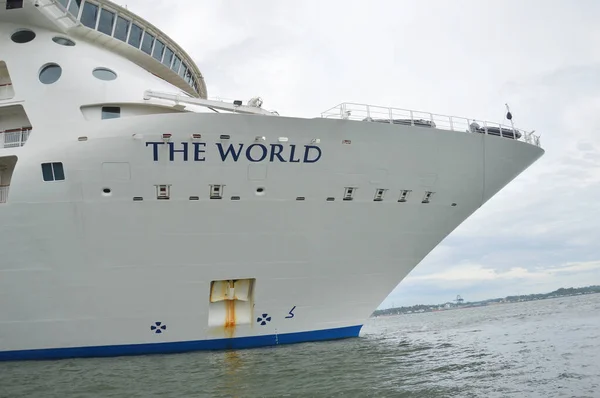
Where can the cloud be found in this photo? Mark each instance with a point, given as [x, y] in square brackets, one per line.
[478, 273]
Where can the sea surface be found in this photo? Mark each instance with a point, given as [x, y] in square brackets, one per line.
[548, 348]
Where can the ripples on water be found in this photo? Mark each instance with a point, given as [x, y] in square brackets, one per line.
[545, 348]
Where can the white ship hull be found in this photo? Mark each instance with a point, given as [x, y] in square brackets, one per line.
[97, 260]
[86, 274]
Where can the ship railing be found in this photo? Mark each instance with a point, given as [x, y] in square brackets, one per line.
[3, 193]
[374, 113]
[14, 138]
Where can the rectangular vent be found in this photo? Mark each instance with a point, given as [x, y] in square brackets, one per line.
[137, 198]
[194, 198]
[216, 191]
[235, 198]
[163, 192]
[300, 198]
[225, 136]
[404, 195]
[427, 197]
[330, 199]
[349, 193]
[379, 193]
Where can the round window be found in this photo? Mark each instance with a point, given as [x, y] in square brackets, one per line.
[104, 74]
[63, 41]
[50, 73]
[23, 36]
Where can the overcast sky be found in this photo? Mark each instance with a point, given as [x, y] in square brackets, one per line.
[465, 58]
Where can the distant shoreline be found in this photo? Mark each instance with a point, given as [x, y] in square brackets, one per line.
[459, 303]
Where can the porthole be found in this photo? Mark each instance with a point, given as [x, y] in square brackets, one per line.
[260, 191]
[50, 73]
[63, 41]
[23, 36]
[106, 191]
[104, 74]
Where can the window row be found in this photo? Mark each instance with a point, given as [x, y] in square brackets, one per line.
[112, 24]
[23, 36]
[50, 73]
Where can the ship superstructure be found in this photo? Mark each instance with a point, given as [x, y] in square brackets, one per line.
[138, 216]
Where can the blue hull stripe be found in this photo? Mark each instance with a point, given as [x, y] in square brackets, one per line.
[181, 346]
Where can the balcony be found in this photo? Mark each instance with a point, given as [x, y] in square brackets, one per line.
[3, 193]
[14, 138]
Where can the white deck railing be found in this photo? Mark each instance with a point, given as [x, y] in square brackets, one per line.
[14, 138]
[372, 113]
[3, 193]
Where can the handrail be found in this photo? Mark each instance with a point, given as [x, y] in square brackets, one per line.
[211, 104]
[14, 138]
[374, 113]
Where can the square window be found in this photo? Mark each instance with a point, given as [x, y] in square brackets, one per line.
[122, 29]
[107, 19]
[135, 37]
[53, 171]
[168, 57]
[159, 49]
[74, 7]
[89, 15]
[176, 64]
[147, 43]
[47, 172]
[10, 4]
[111, 112]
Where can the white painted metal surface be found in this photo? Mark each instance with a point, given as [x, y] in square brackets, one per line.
[97, 258]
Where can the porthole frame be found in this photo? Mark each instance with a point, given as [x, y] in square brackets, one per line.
[45, 66]
[23, 30]
[67, 42]
[104, 70]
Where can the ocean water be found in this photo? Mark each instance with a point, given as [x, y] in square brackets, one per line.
[547, 348]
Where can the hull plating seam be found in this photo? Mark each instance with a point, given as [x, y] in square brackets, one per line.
[183, 346]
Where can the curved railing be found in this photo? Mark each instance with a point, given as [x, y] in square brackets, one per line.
[373, 113]
[118, 22]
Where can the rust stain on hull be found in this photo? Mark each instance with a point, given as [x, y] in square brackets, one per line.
[230, 323]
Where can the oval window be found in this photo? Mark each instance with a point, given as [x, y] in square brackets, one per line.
[23, 36]
[50, 73]
[104, 74]
[63, 41]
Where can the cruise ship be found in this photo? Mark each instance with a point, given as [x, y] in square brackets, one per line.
[140, 216]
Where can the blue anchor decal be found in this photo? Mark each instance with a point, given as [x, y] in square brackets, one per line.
[264, 319]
